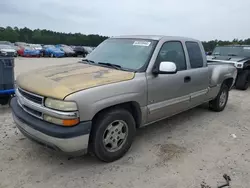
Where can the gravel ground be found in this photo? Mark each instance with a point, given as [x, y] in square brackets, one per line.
[188, 150]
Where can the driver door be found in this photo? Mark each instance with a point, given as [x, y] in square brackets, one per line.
[168, 94]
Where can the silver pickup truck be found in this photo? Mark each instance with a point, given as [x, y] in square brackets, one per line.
[127, 82]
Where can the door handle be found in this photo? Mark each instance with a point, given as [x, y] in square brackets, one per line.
[187, 79]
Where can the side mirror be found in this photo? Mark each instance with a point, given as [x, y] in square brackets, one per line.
[166, 67]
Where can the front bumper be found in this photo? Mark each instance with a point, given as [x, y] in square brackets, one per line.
[71, 140]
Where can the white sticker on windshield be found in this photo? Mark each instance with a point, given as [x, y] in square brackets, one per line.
[141, 43]
[246, 48]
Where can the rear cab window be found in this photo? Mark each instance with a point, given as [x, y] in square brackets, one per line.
[195, 55]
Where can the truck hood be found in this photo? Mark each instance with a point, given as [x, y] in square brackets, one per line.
[60, 81]
[232, 59]
[7, 50]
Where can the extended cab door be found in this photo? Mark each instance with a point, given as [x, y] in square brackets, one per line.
[198, 73]
[169, 94]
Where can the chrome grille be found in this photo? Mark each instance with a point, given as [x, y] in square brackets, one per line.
[11, 54]
[30, 96]
[34, 105]
[33, 112]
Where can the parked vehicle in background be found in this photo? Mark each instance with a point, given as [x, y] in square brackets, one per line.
[27, 51]
[80, 51]
[7, 50]
[52, 51]
[14, 46]
[5, 42]
[89, 49]
[36, 46]
[127, 82]
[68, 51]
[237, 55]
[20, 44]
[209, 53]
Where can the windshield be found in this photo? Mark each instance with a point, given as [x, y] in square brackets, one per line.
[5, 47]
[67, 48]
[49, 46]
[20, 43]
[28, 48]
[232, 51]
[36, 45]
[5, 42]
[128, 53]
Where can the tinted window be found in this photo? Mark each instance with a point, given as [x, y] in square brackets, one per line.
[173, 51]
[195, 55]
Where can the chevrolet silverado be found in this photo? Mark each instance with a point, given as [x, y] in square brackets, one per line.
[96, 105]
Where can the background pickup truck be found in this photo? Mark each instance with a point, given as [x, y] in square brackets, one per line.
[237, 55]
[127, 82]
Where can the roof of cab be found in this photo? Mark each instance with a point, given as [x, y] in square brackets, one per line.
[154, 37]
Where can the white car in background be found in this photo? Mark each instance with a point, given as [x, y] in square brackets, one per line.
[7, 50]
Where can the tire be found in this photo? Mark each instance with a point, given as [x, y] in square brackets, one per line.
[107, 126]
[5, 100]
[51, 55]
[242, 80]
[219, 103]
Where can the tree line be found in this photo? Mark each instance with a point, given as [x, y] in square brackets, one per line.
[43, 36]
[210, 45]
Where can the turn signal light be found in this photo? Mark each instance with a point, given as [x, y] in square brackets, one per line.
[70, 122]
[63, 122]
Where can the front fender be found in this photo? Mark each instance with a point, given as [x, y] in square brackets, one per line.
[93, 100]
[112, 101]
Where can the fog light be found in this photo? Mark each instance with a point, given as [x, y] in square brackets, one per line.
[63, 122]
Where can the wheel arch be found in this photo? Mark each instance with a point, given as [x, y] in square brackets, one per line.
[228, 82]
[132, 106]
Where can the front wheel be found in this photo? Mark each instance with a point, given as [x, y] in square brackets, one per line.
[219, 103]
[112, 134]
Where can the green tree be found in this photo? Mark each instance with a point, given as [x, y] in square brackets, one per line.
[45, 36]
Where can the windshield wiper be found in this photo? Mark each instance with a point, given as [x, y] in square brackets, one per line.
[106, 64]
[88, 61]
[111, 65]
[231, 54]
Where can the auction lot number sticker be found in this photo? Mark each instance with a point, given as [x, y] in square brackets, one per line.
[141, 43]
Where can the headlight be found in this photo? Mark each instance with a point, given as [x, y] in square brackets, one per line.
[60, 105]
[63, 122]
[238, 65]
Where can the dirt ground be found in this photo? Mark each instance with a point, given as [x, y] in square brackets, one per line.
[186, 151]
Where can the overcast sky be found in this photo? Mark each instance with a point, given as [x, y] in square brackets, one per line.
[200, 19]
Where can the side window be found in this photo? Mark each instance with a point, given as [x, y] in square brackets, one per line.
[173, 51]
[195, 55]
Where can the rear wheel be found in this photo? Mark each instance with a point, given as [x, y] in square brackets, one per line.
[112, 134]
[242, 80]
[220, 102]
